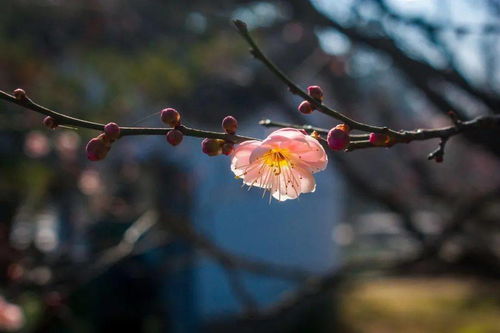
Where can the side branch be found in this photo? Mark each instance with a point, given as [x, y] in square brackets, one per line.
[444, 133]
[295, 89]
[64, 119]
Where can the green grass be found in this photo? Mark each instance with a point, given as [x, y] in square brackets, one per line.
[421, 305]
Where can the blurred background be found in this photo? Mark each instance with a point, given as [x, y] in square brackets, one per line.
[164, 239]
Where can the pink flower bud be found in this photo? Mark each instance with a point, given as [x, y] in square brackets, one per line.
[227, 148]
[174, 137]
[19, 94]
[338, 137]
[230, 124]
[378, 139]
[305, 107]
[49, 122]
[315, 92]
[212, 147]
[171, 117]
[105, 139]
[96, 149]
[112, 130]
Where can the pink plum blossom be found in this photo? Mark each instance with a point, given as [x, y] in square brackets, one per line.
[283, 164]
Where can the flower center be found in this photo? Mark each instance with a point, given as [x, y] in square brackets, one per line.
[277, 158]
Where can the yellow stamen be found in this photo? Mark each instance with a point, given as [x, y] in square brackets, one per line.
[277, 158]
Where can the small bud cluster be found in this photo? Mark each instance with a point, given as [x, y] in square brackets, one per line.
[211, 147]
[172, 118]
[381, 140]
[214, 147]
[315, 92]
[338, 137]
[98, 147]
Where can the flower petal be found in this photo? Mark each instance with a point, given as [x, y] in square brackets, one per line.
[286, 136]
[301, 155]
[306, 179]
[241, 155]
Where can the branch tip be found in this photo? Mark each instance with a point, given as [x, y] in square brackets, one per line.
[240, 25]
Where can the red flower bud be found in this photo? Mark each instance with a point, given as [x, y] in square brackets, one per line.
[105, 139]
[19, 94]
[338, 137]
[174, 137]
[212, 147]
[305, 107]
[315, 92]
[96, 149]
[49, 122]
[112, 131]
[227, 148]
[230, 124]
[171, 117]
[379, 139]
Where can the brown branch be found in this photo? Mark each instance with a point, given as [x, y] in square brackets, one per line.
[63, 119]
[295, 89]
[307, 128]
[360, 141]
[403, 136]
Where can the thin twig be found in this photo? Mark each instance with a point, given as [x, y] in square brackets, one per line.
[295, 89]
[64, 119]
[397, 136]
[361, 141]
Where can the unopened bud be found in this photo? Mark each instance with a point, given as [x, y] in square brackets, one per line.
[171, 117]
[315, 92]
[19, 94]
[174, 137]
[338, 137]
[96, 149]
[305, 107]
[212, 147]
[316, 135]
[379, 139]
[112, 130]
[227, 148]
[49, 122]
[230, 124]
[105, 139]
